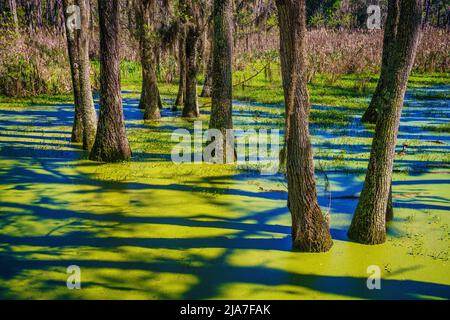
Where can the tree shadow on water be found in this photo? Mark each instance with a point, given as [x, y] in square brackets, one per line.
[252, 231]
[214, 275]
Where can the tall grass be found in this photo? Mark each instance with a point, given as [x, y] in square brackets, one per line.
[37, 64]
[344, 51]
[33, 65]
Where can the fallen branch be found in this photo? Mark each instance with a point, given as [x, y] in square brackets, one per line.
[253, 76]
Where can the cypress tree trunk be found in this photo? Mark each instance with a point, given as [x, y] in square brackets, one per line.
[438, 18]
[310, 230]
[427, 12]
[390, 207]
[191, 109]
[111, 143]
[59, 15]
[150, 100]
[369, 222]
[72, 48]
[38, 13]
[221, 73]
[49, 13]
[28, 8]
[86, 102]
[13, 10]
[130, 8]
[370, 116]
[182, 66]
[207, 85]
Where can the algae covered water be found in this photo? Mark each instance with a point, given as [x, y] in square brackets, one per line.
[151, 229]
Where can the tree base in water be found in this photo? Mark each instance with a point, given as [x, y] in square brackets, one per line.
[361, 235]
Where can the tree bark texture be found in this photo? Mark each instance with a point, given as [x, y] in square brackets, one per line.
[150, 100]
[13, 10]
[193, 34]
[72, 48]
[221, 73]
[182, 69]
[401, 39]
[111, 143]
[207, 84]
[310, 229]
[87, 101]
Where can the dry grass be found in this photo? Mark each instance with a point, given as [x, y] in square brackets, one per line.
[37, 64]
[338, 52]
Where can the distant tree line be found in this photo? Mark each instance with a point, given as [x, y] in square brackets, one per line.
[34, 14]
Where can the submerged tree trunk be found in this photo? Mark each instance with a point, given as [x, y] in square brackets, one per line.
[111, 143]
[208, 83]
[371, 114]
[87, 102]
[182, 69]
[310, 229]
[150, 100]
[72, 48]
[369, 222]
[221, 73]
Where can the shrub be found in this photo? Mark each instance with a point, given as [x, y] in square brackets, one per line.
[33, 65]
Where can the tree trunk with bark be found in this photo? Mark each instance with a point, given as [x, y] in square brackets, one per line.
[401, 39]
[13, 10]
[182, 69]
[50, 12]
[37, 13]
[221, 73]
[370, 116]
[438, 15]
[72, 48]
[193, 34]
[150, 100]
[427, 12]
[310, 229]
[87, 101]
[111, 143]
[208, 83]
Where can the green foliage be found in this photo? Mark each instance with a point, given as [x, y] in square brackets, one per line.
[31, 75]
[317, 20]
[319, 12]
